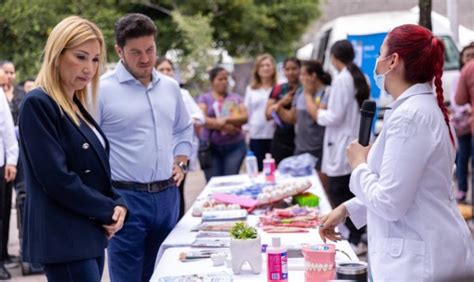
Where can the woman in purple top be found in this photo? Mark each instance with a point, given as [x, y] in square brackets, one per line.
[225, 113]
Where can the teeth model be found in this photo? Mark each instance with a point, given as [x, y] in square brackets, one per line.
[210, 205]
[318, 266]
[320, 261]
[281, 191]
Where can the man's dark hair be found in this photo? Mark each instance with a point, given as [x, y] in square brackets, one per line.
[133, 26]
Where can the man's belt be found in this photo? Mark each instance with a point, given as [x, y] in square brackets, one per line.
[152, 187]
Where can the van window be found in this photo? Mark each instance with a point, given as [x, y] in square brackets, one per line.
[323, 44]
[451, 54]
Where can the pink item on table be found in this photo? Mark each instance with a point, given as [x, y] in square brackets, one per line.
[244, 202]
[320, 262]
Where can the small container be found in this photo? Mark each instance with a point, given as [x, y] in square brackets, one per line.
[269, 168]
[251, 165]
[277, 262]
[354, 271]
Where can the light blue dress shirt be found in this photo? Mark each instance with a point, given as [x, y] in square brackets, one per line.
[146, 126]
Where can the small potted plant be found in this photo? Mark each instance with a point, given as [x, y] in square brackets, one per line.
[245, 246]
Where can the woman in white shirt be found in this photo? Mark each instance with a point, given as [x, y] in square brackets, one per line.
[8, 162]
[256, 97]
[403, 182]
[341, 119]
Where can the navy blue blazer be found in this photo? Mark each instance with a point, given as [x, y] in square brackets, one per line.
[68, 183]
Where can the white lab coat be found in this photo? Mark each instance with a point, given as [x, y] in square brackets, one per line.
[197, 117]
[405, 196]
[341, 120]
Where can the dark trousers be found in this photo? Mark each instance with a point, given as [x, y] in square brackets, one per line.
[282, 148]
[89, 270]
[226, 159]
[132, 251]
[260, 147]
[339, 193]
[5, 212]
[181, 199]
[462, 161]
[182, 204]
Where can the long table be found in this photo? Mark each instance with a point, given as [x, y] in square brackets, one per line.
[181, 237]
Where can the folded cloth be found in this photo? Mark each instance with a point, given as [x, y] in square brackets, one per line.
[300, 165]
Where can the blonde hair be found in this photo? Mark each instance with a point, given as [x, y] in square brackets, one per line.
[256, 79]
[69, 33]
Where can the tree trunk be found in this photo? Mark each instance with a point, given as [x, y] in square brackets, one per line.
[425, 13]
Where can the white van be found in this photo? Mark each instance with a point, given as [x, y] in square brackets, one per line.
[374, 23]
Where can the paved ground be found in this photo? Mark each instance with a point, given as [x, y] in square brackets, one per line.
[195, 182]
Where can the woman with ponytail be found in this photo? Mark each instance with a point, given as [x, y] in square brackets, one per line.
[402, 182]
[341, 119]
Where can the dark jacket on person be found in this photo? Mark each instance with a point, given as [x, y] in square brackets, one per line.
[69, 191]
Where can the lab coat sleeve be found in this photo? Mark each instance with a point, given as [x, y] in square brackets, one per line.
[357, 212]
[391, 193]
[192, 108]
[341, 95]
[8, 132]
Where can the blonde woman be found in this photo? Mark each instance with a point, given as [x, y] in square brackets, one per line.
[256, 97]
[70, 208]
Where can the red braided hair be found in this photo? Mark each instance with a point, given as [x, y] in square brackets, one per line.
[423, 56]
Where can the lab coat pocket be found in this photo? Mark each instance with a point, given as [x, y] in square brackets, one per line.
[397, 259]
[337, 150]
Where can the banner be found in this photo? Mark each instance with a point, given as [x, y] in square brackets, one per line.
[367, 49]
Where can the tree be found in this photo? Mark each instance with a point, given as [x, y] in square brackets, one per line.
[243, 27]
[25, 26]
[425, 13]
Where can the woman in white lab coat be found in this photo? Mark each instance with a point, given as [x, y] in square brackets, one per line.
[341, 119]
[403, 182]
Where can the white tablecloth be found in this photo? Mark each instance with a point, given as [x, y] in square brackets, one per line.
[181, 238]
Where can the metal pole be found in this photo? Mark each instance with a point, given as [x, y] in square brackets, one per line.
[452, 6]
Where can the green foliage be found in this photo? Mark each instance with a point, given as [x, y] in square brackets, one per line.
[242, 231]
[250, 27]
[197, 36]
[243, 27]
[26, 24]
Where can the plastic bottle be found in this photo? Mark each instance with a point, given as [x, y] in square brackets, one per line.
[269, 168]
[277, 262]
[251, 165]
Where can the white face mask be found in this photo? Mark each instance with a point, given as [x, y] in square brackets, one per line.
[380, 78]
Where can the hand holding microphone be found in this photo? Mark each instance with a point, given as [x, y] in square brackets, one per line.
[358, 150]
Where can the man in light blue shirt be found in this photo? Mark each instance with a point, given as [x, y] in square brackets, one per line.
[150, 132]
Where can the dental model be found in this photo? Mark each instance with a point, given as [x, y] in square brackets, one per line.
[320, 261]
[281, 191]
[212, 205]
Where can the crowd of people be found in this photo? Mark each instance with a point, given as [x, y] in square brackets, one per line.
[103, 158]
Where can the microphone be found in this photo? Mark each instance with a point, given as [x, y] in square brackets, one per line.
[367, 113]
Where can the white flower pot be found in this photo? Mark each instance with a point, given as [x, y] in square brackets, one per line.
[246, 250]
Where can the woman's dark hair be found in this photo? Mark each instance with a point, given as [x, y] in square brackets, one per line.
[161, 60]
[343, 51]
[423, 57]
[461, 63]
[315, 67]
[292, 59]
[6, 62]
[22, 83]
[133, 26]
[214, 72]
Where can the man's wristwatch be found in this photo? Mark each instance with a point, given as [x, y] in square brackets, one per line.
[183, 166]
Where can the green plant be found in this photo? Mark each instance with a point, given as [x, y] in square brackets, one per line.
[241, 231]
